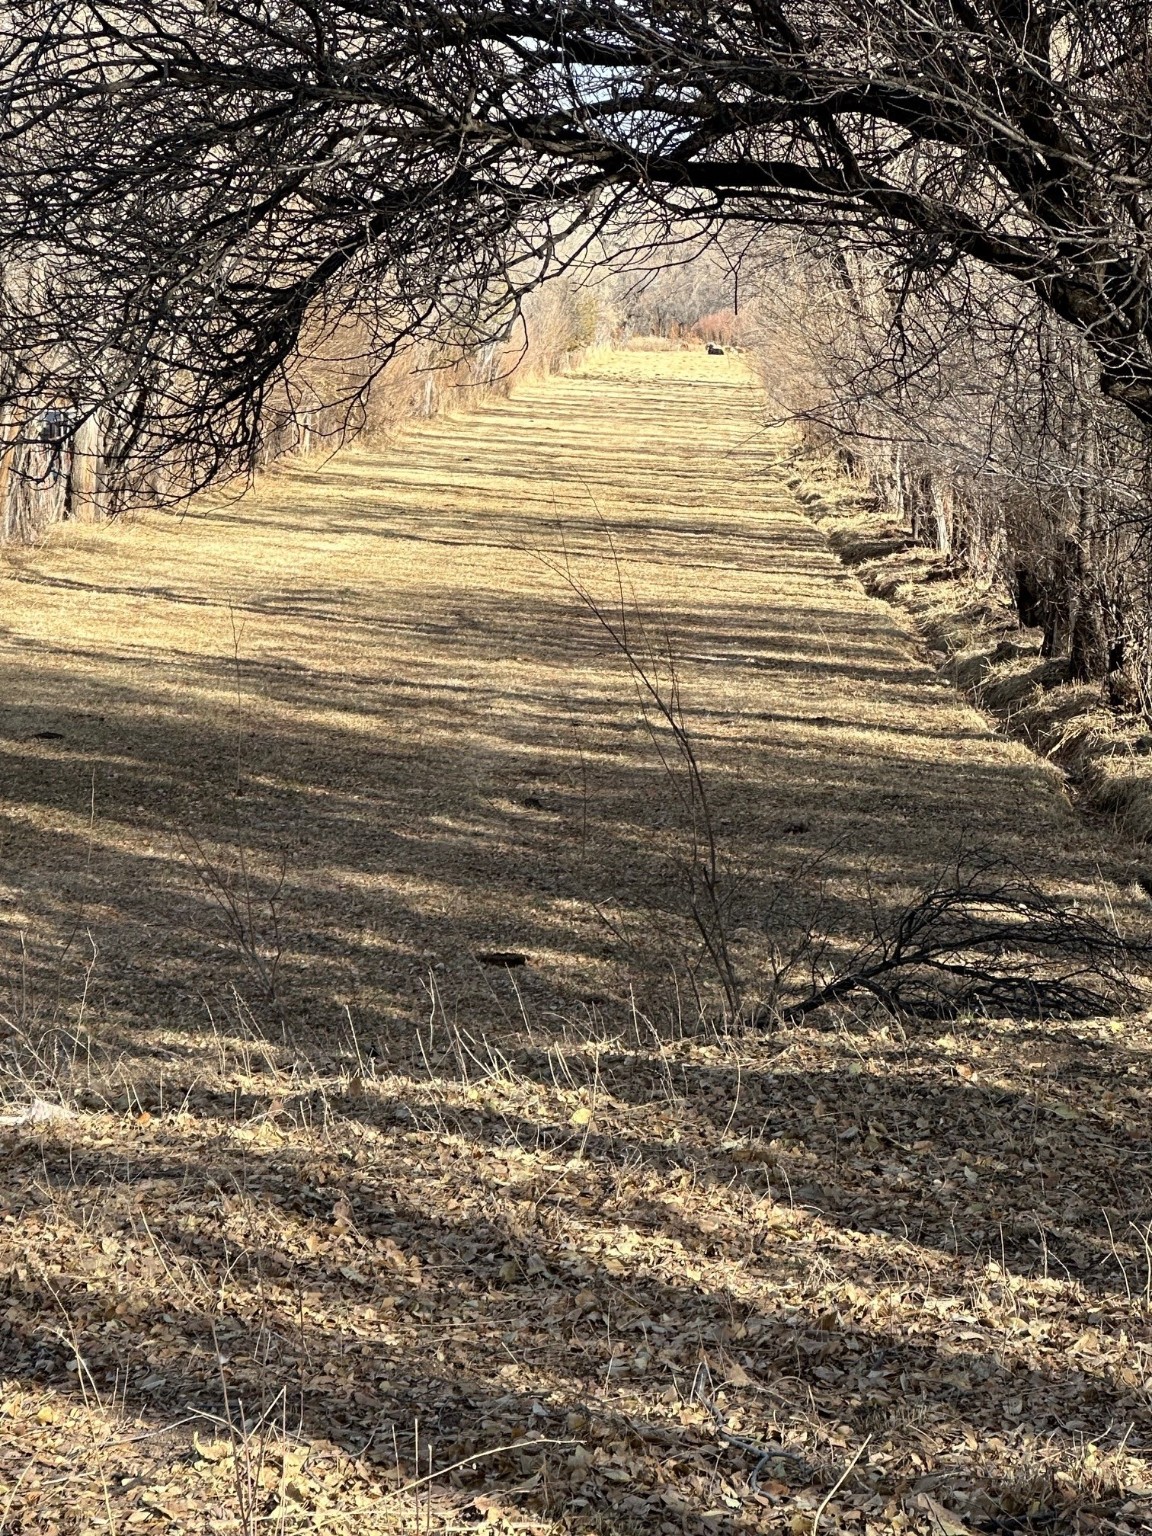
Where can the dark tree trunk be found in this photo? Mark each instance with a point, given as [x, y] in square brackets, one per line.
[1031, 599]
[1088, 645]
[1088, 641]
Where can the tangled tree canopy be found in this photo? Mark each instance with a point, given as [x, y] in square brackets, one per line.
[194, 189]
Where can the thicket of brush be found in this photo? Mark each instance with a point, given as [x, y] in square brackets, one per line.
[976, 421]
[86, 473]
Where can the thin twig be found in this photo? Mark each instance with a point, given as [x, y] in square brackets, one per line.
[837, 1485]
[431, 1477]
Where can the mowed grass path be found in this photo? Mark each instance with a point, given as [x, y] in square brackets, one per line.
[372, 676]
[278, 774]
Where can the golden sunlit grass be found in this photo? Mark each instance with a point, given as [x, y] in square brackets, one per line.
[348, 1227]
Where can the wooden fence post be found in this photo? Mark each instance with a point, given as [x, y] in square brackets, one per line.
[84, 482]
[7, 448]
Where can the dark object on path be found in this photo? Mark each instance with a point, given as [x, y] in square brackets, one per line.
[714, 350]
[508, 958]
[46, 736]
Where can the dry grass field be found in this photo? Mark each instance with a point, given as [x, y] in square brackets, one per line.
[402, 1173]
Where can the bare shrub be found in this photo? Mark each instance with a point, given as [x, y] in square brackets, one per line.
[248, 907]
[46, 1048]
[646, 646]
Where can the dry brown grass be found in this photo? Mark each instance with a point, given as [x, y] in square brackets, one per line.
[341, 1206]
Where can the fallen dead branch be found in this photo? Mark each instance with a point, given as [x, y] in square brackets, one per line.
[39, 1112]
[992, 942]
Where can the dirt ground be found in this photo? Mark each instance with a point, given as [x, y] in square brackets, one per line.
[407, 1176]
